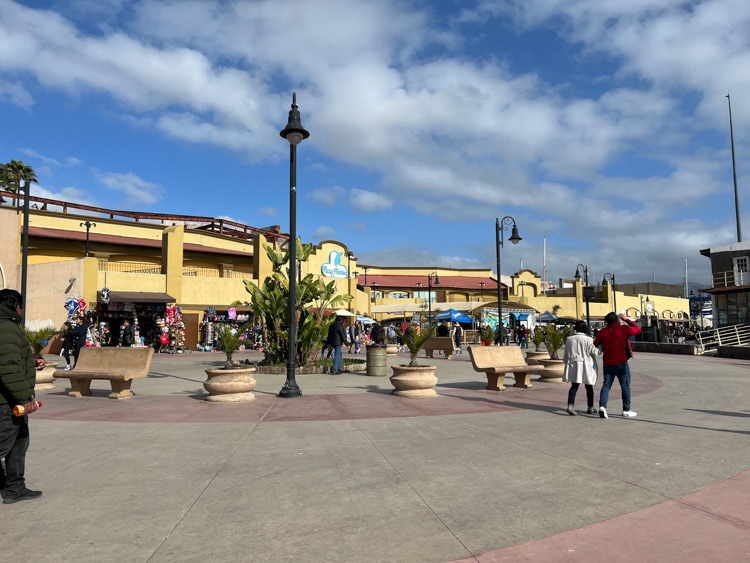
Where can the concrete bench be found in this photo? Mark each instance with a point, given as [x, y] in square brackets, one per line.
[118, 365]
[444, 343]
[496, 361]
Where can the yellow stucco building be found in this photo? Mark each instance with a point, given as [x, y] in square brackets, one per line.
[150, 261]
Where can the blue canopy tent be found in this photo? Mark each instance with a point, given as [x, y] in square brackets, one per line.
[453, 315]
[547, 317]
[365, 320]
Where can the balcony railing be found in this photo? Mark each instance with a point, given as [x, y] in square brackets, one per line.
[129, 267]
[730, 279]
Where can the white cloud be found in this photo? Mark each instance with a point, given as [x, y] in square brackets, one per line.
[137, 190]
[267, 211]
[323, 233]
[363, 200]
[15, 94]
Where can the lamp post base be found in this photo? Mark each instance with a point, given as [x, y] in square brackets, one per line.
[289, 391]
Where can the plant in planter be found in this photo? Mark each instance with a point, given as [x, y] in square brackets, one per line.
[486, 335]
[414, 380]
[537, 338]
[555, 339]
[231, 340]
[38, 339]
[233, 381]
[554, 366]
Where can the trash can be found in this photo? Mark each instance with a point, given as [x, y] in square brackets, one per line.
[376, 365]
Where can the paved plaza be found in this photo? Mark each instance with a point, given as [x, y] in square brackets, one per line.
[349, 472]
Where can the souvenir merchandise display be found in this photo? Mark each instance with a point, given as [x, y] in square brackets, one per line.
[143, 317]
[171, 332]
[211, 321]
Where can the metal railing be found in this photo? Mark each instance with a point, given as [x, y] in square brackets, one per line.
[129, 267]
[730, 279]
[733, 335]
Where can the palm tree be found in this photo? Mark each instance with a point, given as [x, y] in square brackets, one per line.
[11, 175]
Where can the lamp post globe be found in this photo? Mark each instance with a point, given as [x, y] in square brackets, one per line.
[295, 134]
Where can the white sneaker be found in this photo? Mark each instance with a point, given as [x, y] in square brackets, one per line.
[629, 414]
[603, 412]
[68, 368]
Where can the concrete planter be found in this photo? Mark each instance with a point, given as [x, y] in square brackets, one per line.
[553, 371]
[230, 385]
[44, 377]
[415, 382]
[533, 357]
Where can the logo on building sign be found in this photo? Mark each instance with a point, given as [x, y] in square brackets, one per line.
[334, 268]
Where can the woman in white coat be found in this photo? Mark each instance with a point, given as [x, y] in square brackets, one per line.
[579, 366]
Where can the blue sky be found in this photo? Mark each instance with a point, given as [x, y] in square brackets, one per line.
[601, 125]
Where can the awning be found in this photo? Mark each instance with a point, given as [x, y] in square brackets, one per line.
[522, 316]
[140, 297]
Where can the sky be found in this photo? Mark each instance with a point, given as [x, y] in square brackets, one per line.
[598, 126]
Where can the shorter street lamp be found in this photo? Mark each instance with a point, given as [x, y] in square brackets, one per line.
[611, 278]
[481, 291]
[432, 279]
[587, 291]
[365, 268]
[88, 225]
[500, 226]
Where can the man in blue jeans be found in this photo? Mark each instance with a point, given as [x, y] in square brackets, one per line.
[336, 338]
[614, 340]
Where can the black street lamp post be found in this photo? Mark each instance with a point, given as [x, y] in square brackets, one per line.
[88, 225]
[500, 225]
[365, 268]
[587, 291]
[295, 134]
[25, 247]
[430, 283]
[611, 278]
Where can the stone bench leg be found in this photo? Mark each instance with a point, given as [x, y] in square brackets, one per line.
[428, 353]
[523, 380]
[121, 389]
[80, 388]
[494, 381]
[449, 355]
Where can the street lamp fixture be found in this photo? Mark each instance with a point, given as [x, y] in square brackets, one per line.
[500, 226]
[587, 291]
[432, 279]
[88, 225]
[365, 268]
[611, 278]
[295, 134]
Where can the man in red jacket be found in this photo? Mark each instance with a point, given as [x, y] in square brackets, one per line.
[614, 339]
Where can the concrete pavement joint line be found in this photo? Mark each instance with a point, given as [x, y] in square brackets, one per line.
[388, 461]
[202, 492]
[709, 513]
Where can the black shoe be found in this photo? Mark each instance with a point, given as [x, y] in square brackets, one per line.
[27, 494]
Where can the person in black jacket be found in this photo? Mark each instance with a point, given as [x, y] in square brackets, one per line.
[17, 379]
[336, 338]
[79, 333]
[67, 343]
[128, 335]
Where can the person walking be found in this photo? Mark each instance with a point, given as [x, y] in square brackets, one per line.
[67, 344]
[614, 339]
[18, 369]
[458, 335]
[79, 332]
[579, 357]
[336, 339]
[128, 335]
